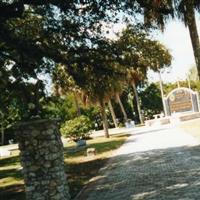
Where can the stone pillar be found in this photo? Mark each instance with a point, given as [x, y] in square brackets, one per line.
[42, 160]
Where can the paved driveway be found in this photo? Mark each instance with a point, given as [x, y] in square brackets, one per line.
[160, 164]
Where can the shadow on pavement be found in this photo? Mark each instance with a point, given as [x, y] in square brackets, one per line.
[163, 174]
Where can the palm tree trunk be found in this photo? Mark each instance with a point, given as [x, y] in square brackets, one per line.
[2, 128]
[191, 23]
[78, 110]
[138, 103]
[122, 108]
[104, 119]
[2, 135]
[112, 113]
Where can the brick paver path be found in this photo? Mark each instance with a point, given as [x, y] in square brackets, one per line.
[151, 165]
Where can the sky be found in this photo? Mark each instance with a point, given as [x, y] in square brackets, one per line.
[177, 39]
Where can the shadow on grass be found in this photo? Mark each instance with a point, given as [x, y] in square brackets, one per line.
[14, 160]
[14, 192]
[79, 174]
[100, 147]
[122, 135]
[16, 174]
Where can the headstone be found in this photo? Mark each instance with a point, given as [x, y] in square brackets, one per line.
[91, 152]
[181, 100]
[130, 124]
[81, 143]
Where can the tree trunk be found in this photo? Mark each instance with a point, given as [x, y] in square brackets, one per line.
[138, 103]
[191, 23]
[104, 119]
[112, 113]
[122, 108]
[2, 128]
[78, 110]
[2, 135]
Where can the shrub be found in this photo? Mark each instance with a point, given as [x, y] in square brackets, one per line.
[77, 128]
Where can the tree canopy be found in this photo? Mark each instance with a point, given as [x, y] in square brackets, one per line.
[37, 35]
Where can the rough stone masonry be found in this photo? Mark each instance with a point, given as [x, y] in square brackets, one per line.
[42, 160]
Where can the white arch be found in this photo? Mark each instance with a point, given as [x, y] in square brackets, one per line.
[182, 88]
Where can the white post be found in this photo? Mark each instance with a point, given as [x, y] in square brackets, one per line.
[197, 95]
[178, 84]
[188, 80]
[162, 93]
[191, 93]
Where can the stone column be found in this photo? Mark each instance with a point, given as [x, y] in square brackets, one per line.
[42, 160]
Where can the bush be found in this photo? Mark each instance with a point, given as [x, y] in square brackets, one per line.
[77, 128]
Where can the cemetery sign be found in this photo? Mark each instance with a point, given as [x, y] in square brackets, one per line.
[181, 100]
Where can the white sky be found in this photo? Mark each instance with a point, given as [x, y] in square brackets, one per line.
[176, 38]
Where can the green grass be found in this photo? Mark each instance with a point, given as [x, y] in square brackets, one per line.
[192, 127]
[79, 168]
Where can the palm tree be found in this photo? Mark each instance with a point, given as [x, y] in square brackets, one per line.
[186, 12]
[63, 83]
[76, 103]
[112, 113]
[104, 118]
[183, 10]
[90, 95]
[133, 77]
[116, 91]
[121, 107]
[2, 128]
[141, 53]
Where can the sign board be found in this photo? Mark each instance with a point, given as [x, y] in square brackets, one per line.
[181, 100]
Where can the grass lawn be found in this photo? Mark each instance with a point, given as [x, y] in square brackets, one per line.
[192, 127]
[79, 168]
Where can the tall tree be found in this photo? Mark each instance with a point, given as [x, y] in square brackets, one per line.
[64, 84]
[183, 10]
[141, 53]
[121, 107]
[134, 76]
[112, 113]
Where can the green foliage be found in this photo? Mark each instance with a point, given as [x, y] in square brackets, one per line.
[194, 85]
[151, 100]
[77, 128]
[93, 113]
[57, 107]
[140, 51]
